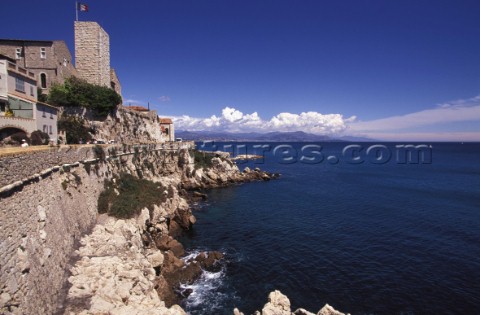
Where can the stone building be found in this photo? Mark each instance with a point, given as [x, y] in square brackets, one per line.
[50, 61]
[19, 109]
[168, 132]
[92, 55]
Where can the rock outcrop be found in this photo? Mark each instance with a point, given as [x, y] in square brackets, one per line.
[115, 273]
[136, 265]
[279, 304]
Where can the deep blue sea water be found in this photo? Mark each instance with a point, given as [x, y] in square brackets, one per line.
[366, 238]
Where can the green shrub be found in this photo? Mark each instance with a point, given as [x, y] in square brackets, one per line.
[75, 129]
[19, 136]
[78, 92]
[134, 195]
[202, 159]
[39, 138]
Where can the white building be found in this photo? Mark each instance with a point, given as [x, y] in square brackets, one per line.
[19, 109]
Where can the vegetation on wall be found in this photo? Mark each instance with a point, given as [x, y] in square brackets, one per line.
[127, 196]
[17, 138]
[202, 160]
[39, 137]
[75, 129]
[78, 92]
[41, 97]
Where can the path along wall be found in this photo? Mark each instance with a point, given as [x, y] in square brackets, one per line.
[48, 200]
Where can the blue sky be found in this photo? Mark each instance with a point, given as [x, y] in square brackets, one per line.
[385, 69]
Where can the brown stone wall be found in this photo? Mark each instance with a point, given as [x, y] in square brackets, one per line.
[42, 220]
[92, 53]
[57, 65]
[115, 81]
[20, 166]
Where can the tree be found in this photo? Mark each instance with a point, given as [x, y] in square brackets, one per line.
[39, 137]
[78, 92]
[75, 129]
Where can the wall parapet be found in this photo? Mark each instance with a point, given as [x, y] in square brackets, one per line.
[23, 168]
[45, 213]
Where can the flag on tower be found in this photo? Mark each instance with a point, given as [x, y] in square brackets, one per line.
[82, 7]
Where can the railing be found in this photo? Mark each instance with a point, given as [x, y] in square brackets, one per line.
[20, 70]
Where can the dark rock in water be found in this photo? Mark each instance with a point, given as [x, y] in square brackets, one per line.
[184, 218]
[185, 293]
[166, 242]
[209, 261]
[199, 196]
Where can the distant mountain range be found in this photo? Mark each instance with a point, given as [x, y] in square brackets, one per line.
[295, 136]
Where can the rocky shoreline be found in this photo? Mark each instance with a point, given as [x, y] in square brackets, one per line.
[136, 266]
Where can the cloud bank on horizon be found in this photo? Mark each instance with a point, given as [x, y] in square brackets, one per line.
[404, 127]
[233, 120]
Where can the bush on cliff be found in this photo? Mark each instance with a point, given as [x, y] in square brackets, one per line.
[78, 92]
[39, 137]
[127, 196]
[202, 159]
[75, 129]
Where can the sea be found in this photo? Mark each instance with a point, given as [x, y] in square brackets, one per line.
[369, 228]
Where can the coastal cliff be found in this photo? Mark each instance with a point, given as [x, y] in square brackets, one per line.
[78, 253]
[135, 265]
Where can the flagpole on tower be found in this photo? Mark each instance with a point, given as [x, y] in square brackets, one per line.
[76, 10]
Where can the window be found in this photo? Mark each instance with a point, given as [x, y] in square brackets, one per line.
[32, 93]
[51, 113]
[45, 128]
[43, 80]
[44, 114]
[43, 53]
[18, 53]
[19, 85]
[51, 130]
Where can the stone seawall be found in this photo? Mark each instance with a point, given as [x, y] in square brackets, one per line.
[17, 167]
[51, 203]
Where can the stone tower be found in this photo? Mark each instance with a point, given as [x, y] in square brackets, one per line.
[92, 53]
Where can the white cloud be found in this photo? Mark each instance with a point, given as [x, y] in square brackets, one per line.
[426, 125]
[456, 111]
[164, 98]
[133, 102]
[424, 136]
[233, 120]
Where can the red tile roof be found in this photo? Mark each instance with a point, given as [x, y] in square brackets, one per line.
[166, 121]
[137, 108]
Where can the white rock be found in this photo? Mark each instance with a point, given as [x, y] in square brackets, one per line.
[4, 299]
[328, 310]
[278, 304]
[42, 215]
[156, 259]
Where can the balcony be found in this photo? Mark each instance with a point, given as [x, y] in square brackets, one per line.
[22, 71]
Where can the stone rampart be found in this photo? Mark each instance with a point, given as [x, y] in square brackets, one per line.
[44, 214]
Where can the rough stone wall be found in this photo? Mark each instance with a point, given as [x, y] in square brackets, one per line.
[92, 53]
[57, 66]
[17, 167]
[39, 226]
[115, 81]
[64, 61]
[41, 220]
[129, 126]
